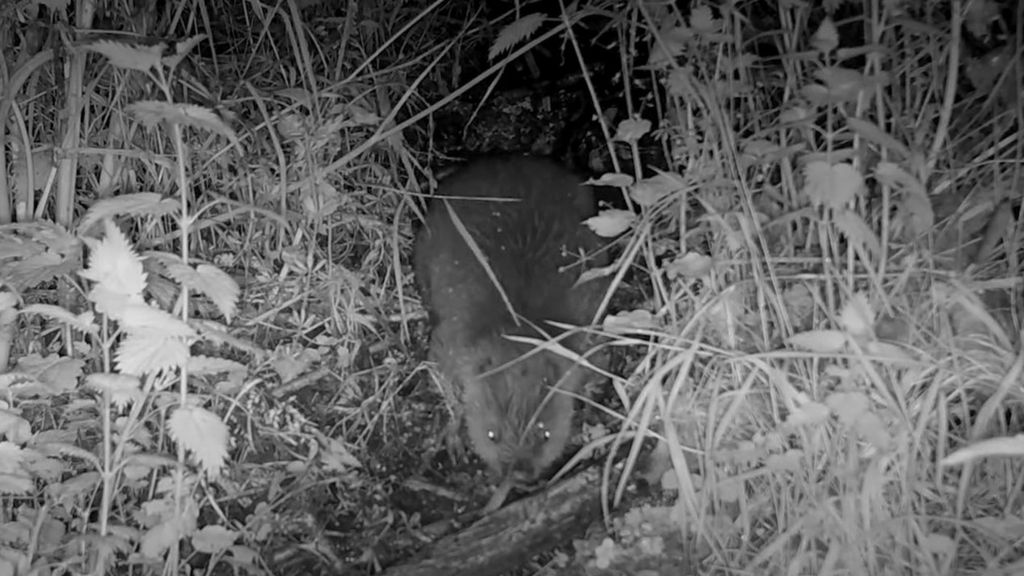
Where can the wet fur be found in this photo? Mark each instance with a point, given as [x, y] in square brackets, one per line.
[533, 247]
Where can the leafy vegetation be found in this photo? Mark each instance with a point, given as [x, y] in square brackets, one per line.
[820, 217]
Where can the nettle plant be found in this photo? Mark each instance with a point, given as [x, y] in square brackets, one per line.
[120, 463]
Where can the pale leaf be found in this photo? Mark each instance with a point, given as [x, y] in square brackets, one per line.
[630, 130]
[203, 434]
[213, 539]
[152, 112]
[857, 317]
[114, 265]
[82, 322]
[515, 33]
[820, 341]
[611, 223]
[808, 413]
[147, 350]
[858, 233]
[138, 204]
[129, 57]
[612, 179]
[826, 38]
[649, 191]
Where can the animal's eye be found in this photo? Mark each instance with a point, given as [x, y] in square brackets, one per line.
[492, 436]
[543, 429]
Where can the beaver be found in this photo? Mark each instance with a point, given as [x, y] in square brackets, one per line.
[525, 215]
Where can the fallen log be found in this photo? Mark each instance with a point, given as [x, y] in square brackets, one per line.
[509, 537]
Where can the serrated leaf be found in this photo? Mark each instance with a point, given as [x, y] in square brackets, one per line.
[858, 233]
[203, 434]
[151, 113]
[220, 288]
[892, 174]
[182, 49]
[289, 363]
[48, 531]
[611, 223]
[62, 374]
[337, 457]
[46, 469]
[84, 322]
[13, 247]
[873, 133]
[111, 303]
[152, 512]
[857, 317]
[146, 351]
[832, 186]
[129, 57]
[16, 484]
[65, 450]
[35, 270]
[122, 388]
[113, 265]
[914, 205]
[74, 488]
[848, 406]
[871, 428]
[820, 341]
[141, 435]
[702, 20]
[13, 427]
[15, 379]
[138, 204]
[826, 37]
[10, 458]
[171, 266]
[162, 291]
[30, 388]
[514, 33]
[158, 539]
[38, 234]
[137, 316]
[213, 539]
[218, 334]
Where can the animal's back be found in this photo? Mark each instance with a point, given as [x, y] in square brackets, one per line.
[533, 239]
[532, 236]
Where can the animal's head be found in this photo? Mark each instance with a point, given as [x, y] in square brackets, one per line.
[519, 417]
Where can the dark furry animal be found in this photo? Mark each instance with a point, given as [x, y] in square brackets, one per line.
[534, 240]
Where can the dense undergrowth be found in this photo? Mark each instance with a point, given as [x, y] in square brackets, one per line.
[823, 363]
